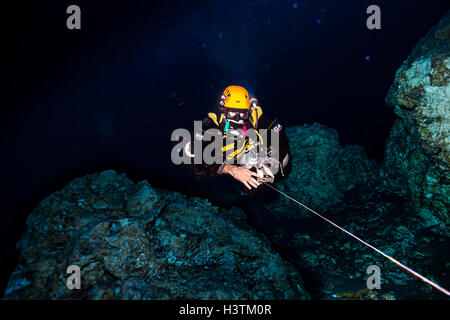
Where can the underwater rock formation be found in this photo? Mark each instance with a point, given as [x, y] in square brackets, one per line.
[322, 170]
[343, 184]
[132, 241]
[333, 265]
[417, 160]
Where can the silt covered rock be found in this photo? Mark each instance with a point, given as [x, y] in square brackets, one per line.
[322, 170]
[417, 161]
[132, 241]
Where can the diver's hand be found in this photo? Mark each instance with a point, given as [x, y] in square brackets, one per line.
[242, 174]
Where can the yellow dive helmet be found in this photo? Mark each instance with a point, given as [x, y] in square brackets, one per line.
[235, 97]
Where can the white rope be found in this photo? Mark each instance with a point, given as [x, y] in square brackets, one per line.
[401, 265]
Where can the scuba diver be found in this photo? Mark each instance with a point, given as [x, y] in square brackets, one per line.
[249, 158]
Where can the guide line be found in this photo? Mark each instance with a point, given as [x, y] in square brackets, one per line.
[398, 263]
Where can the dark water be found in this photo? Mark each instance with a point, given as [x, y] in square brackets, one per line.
[109, 96]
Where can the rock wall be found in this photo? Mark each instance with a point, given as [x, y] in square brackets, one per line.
[417, 157]
[132, 241]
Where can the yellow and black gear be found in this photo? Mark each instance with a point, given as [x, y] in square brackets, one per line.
[242, 146]
[235, 150]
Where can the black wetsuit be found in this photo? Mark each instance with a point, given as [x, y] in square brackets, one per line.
[210, 170]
